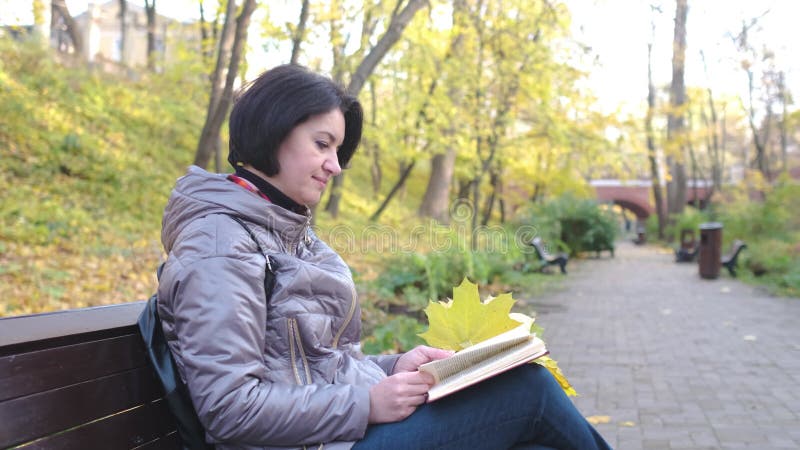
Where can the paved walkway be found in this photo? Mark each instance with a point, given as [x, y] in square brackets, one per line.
[672, 360]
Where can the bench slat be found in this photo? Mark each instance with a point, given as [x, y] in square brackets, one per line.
[143, 425]
[57, 324]
[43, 370]
[42, 414]
[169, 442]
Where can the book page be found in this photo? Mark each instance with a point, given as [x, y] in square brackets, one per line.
[470, 356]
[500, 362]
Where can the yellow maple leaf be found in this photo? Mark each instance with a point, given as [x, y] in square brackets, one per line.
[465, 320]
[552, 366]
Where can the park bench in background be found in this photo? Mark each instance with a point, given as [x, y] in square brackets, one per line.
[730, 260]
[689, 248]
[687, 252]
[80, 379]
[686, 255]
[604, 246]
[548, 259]
[641, 236]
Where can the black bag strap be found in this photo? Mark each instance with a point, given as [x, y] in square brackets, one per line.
[176, 395]
[269, 275]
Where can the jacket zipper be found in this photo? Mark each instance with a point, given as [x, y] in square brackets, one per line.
[348, 318]
[292, 351]
[293, 245]
[295, 349]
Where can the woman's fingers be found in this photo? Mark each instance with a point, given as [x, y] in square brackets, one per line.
[396, 397]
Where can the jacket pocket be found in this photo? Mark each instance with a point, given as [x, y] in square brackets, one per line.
[297, 355]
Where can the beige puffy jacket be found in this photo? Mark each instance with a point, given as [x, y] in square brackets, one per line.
[263, 373]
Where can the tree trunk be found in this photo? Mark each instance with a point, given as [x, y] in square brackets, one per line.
[695, 171]
[392, 35]
[237, 58]
[375, 171]
[123, 32]
[208, 35]
[494, 180]
[715, 151]
[365, 69]
[676, 187]
[435, 203]
[759, 139]
[299, 32]
[337, 73]
[400, 182]
[210, 134]
[72, 28]
[652, 155]
[150, 9]
[464, 188]
[784, 125]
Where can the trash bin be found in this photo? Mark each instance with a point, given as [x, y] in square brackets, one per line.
[710, 249]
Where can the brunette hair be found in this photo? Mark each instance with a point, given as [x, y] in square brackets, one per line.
[267, 109]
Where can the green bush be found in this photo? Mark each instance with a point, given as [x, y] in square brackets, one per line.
[398, 334]
[578, 225]
[771, 230]
[768, 256]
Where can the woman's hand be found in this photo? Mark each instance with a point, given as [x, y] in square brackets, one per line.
[398, 395]
[411, 360]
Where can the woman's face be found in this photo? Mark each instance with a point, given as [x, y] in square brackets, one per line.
[308, 159]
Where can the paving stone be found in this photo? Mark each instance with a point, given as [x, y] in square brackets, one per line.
[645, 340]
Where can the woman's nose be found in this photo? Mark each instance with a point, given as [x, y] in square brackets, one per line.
[331, 165]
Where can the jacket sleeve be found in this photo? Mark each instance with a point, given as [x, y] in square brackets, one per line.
[219, 316]
[385, 362]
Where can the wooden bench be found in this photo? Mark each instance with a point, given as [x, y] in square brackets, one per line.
[730, 260]
[79, 379]
[548, 259]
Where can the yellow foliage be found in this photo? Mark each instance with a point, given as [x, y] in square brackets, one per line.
[465, 320]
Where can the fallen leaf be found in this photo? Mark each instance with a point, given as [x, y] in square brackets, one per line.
[627, 423]
[596, 420]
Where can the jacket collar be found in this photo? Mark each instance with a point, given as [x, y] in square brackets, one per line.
[200, 193]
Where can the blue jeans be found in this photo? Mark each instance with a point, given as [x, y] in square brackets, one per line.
[524, 408]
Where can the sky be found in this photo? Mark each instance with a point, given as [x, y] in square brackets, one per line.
[618, 32]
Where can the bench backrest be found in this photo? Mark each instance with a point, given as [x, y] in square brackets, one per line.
[79, 379]
[736, 247]
[541, 251]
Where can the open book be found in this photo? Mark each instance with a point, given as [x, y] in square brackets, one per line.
[483, 360]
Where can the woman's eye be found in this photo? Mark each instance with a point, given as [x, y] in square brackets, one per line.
[322, 144]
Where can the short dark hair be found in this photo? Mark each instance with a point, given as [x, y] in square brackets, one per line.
[267, 110]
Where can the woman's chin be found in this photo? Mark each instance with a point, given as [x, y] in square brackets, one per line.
[312, 202]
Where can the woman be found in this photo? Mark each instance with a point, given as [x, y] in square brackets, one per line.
[262, 316]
